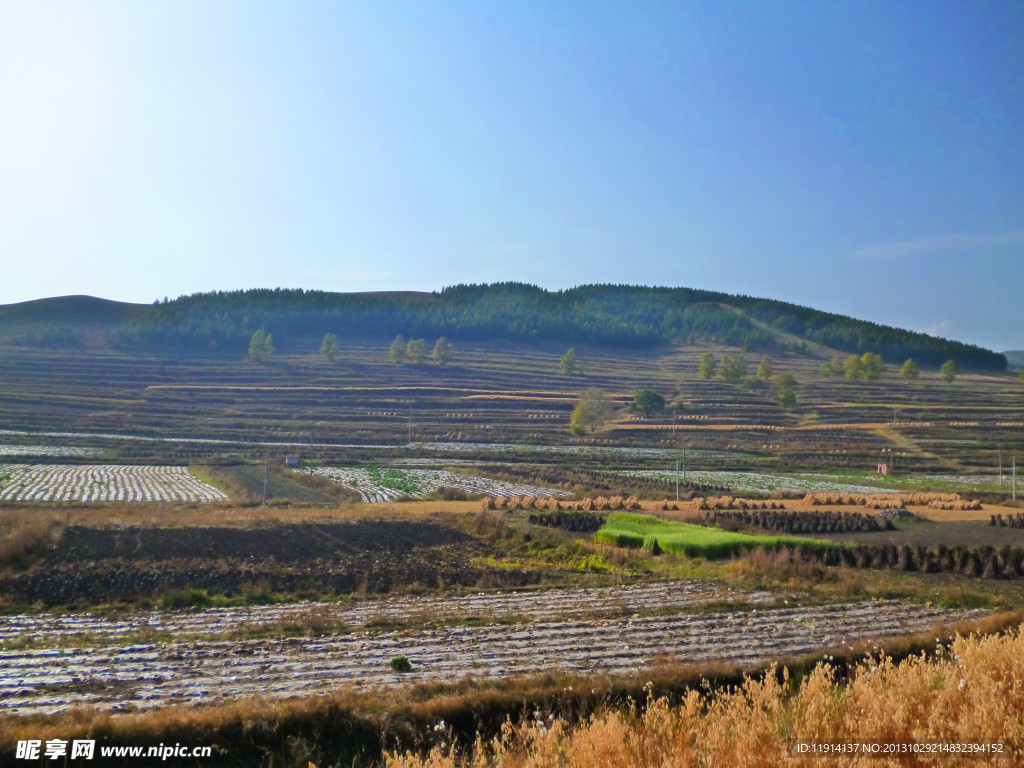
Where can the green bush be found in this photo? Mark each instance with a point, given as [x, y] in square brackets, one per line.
[401, 664]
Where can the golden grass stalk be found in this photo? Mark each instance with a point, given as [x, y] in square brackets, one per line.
[972, 692]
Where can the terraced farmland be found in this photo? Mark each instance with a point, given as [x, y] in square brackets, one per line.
[48, 450]
[363, 403]
[622, 451]
[753, 482]
[147, 675]
[61, 629]
[102, 483]
[375, 485]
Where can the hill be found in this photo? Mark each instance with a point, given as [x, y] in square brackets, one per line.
[70, 309]
[1015, 358]
[65, 321]
[616, 316]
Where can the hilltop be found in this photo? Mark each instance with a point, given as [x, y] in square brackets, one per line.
[612, 316]
[63, 321]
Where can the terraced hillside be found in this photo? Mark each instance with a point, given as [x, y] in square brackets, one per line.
[203, 407]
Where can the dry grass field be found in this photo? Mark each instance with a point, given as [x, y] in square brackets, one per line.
[970, 695]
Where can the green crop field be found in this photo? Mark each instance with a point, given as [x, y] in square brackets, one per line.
[625, 529]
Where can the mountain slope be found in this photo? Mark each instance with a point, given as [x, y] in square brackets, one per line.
[617, 316]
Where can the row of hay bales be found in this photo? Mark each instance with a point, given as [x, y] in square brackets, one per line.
[979, 562]
[1012, 521]
[668, 506]
[962, 504]
[824, 521]
[601, 503]
[953, 501]
[577, 522]
[730, 502]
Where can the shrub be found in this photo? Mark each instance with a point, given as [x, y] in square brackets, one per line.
[401, 664]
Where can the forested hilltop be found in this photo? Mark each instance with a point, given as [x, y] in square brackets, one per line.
[611, 315]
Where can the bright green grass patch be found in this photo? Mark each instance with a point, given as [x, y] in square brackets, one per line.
[627, 529]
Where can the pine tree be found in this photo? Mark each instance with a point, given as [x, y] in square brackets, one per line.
[398, 347]
[871, 366]
[567, 365]
[948, 372]
[707, 366]
[329, 347]
[910, 370]
[443, 351]
[261, 346]
[733, 367]
[853, 368]
[416, 351]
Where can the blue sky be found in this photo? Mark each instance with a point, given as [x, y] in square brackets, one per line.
[859, 157]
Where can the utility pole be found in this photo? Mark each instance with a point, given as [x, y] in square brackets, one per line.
[1014, 478]
[265, 457]
[675, 435]
[410, 423]
[684, 459]
[1000, 466]
[894, 414]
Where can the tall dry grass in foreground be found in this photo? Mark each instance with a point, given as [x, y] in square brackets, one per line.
[971, 691]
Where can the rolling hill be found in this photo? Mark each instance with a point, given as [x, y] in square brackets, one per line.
[614, 316]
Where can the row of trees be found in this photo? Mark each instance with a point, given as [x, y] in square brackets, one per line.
[870, 368]
[261, 349]
[733, 368]
[415, 351]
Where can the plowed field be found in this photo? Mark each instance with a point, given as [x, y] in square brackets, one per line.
[59, 629]
[145, 676]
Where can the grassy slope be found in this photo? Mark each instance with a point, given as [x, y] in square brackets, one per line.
[635, 530]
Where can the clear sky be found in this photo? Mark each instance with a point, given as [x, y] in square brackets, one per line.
[859, 157]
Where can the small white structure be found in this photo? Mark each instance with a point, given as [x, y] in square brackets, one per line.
[293, 461]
